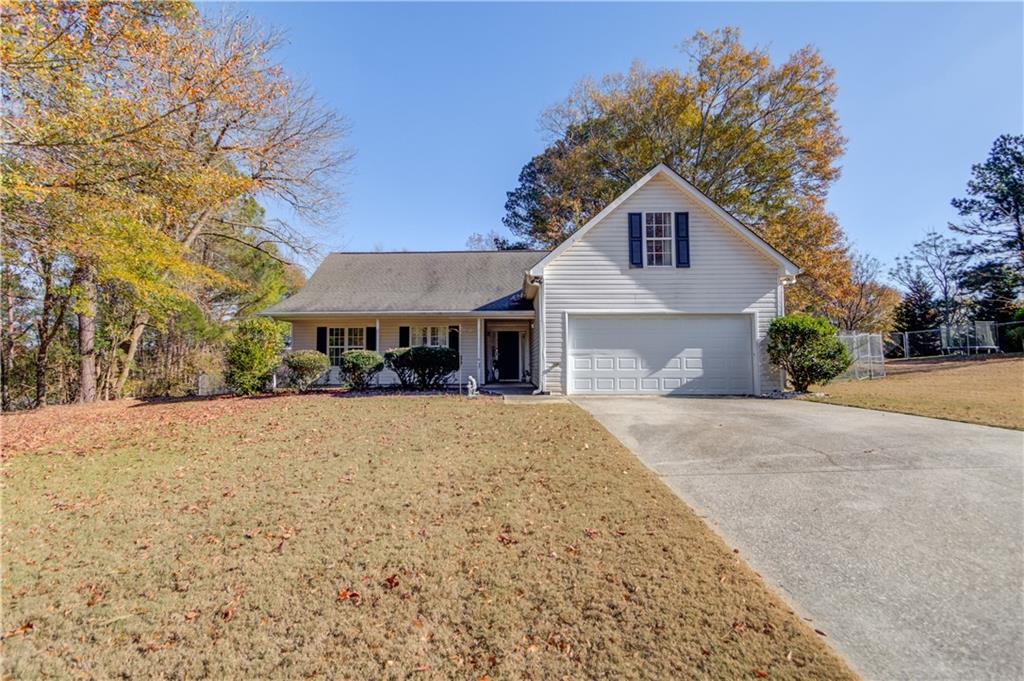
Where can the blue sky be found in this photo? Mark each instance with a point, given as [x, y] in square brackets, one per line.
[443, 99]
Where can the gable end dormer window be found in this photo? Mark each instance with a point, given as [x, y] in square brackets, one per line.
[658, 240]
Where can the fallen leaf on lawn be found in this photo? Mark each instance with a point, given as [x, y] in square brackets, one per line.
[346, 595]
[95, 596]
[391, 582]
[191, 615]
[506, 540]
[760, 674]
[23, 629]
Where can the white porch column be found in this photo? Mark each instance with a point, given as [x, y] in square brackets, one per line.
[479, 350]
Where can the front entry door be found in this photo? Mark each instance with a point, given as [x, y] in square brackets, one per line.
[508, 355]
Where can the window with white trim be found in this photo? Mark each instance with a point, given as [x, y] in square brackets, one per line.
[343, 339]
[434, 336]
[658, 239]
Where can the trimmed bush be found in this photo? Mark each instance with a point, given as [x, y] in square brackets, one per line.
[1015, 340]
[399, 361]
[807, 349]
[253, 353]
[360, 367]
[305, 367]
[425, 367]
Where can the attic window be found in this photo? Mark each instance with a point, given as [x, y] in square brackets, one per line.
[658, 239]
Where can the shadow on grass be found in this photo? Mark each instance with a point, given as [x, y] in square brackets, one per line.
[284, 394]
[903, 367]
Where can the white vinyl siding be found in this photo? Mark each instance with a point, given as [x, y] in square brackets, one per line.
[534, 354]
[304, 336]
[727, 275]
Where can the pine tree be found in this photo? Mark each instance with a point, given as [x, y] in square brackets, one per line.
[917, 311]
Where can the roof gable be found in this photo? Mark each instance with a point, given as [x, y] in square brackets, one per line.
[787, 265]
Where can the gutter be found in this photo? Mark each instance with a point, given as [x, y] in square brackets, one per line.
[511, 314]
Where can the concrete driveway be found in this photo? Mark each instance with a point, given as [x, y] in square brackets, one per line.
[899, 536]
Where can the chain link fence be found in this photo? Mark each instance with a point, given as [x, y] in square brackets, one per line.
[868, 352]
[968, 338]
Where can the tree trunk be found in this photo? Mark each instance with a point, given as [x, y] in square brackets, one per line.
[45, 333]
[7, 351]
[87, 334]
[139, 320]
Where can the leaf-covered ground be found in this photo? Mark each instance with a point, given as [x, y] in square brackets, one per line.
[988, 389]
[377, 537]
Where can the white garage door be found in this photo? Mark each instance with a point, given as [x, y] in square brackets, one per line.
[679, 354]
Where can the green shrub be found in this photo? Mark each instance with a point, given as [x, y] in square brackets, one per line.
[1014, 339]
[360, 367]
[253, 353]
[305, 367]
[425, 367]
[399, 361]
[807, 349]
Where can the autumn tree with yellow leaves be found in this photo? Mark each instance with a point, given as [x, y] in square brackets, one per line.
[137, 138]
[761, 139]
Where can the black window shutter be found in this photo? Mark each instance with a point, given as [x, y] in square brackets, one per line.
[682, 239]
[321, 339]
[403, 336]
[636, 241]
[453, 337]
[371, 338]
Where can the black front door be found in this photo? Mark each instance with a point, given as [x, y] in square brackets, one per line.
[508, 355]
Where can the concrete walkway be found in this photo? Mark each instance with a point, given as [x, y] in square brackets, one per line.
[901, 537]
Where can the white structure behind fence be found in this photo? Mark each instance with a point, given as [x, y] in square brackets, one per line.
[868, 355]
[956, 339]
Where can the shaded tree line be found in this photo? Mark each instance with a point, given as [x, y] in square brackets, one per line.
[977, 271]
[138, 142]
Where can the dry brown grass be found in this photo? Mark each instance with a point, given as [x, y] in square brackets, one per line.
[386, 537]
[988, 390]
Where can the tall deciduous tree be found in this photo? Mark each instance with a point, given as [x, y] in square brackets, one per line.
[761, 139]
[866, 304]
[150, 129]
[935, 260]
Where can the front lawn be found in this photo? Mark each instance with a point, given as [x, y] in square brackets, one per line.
[378, 537]
[988, 390]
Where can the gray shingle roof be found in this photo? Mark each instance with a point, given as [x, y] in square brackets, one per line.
[445, 281]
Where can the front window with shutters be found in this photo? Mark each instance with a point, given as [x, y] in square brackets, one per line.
[433, 336]
[658, 239]
[340, 339]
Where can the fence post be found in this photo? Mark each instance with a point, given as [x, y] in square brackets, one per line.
[906, 345]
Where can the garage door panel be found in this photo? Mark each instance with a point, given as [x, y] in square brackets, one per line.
[680, 354]
[582, 385]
